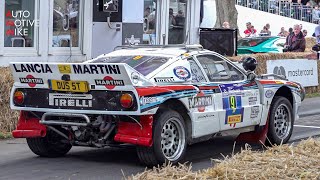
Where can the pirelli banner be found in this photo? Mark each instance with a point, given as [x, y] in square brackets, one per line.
[303, 71]
[74, 77]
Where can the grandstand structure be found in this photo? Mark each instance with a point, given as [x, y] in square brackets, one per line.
[298, 11]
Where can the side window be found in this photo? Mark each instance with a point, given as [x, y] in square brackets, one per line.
[236, 75]
[197, 75]
[218, 69]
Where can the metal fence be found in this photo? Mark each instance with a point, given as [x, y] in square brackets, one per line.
[284, 8]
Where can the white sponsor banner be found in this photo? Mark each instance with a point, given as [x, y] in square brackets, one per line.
[303, 71]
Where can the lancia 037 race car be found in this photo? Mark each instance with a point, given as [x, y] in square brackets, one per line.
[159, 99]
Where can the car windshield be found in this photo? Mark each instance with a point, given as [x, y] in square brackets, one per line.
[250, 42]
[143, 64]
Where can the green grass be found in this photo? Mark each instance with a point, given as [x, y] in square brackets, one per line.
[5, 135]
[312, 95]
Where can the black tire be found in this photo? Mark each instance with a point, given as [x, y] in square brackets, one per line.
[165, 122]
[281, 120]
[52, 145]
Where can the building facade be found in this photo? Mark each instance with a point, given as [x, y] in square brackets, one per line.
[78, 30]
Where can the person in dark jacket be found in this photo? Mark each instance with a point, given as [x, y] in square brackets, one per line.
[295, 41]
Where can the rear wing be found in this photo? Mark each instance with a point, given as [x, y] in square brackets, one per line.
[98, 76]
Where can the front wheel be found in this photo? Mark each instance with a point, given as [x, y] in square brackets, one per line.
[169, 140]
[52, 145]
[280, 120]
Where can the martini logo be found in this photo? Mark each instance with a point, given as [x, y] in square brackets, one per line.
[109, 82]
[31, 81]
[200, 102]
[182, 73]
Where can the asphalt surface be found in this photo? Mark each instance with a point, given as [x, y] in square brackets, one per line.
[18, 162]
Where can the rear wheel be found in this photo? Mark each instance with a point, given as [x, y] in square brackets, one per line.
[169, 140]
[280, 120]
[52, 145]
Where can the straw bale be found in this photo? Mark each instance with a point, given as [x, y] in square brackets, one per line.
[8, 118]
[299, 161]
[310, 41]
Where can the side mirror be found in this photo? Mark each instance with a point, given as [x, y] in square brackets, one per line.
[251, 76]
[249, 63]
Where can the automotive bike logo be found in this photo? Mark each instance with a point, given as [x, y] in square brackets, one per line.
[279, 71]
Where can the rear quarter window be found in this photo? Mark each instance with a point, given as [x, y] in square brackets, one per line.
[143, 64]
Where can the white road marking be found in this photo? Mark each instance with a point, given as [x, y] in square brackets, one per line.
[315, 127]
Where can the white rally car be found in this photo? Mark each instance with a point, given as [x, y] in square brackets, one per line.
[160, 99]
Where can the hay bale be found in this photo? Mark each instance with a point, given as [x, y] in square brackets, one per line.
[8, 118]
[310, 41]
[278, 162]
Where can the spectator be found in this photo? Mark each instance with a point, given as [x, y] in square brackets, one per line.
[273, 5]
[304, 2]
[147, 12]
[250, 31]
[254, 4]
[253, 32]
[226, 25]
[172, 20]
[316, 47]
[316, 14]
[295, 42]
[283, 33]
[307, 12]
[268, 29]
[180, 18]
[286, 8]
[264, 31]
[297, 9]
[305, 32]
[290, 31]
[152, 20]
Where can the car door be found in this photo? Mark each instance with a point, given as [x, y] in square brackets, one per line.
[205, 118]
[236, 99]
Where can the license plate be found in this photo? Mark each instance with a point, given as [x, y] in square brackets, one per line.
[234, 119]
[70, 86]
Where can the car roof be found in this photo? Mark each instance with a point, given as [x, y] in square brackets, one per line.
[169, 51]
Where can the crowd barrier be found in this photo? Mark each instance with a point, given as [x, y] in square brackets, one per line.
[283, 8]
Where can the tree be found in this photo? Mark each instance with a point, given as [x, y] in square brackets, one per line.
[226, 11]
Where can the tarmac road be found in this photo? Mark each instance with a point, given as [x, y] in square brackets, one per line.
[18, 162]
